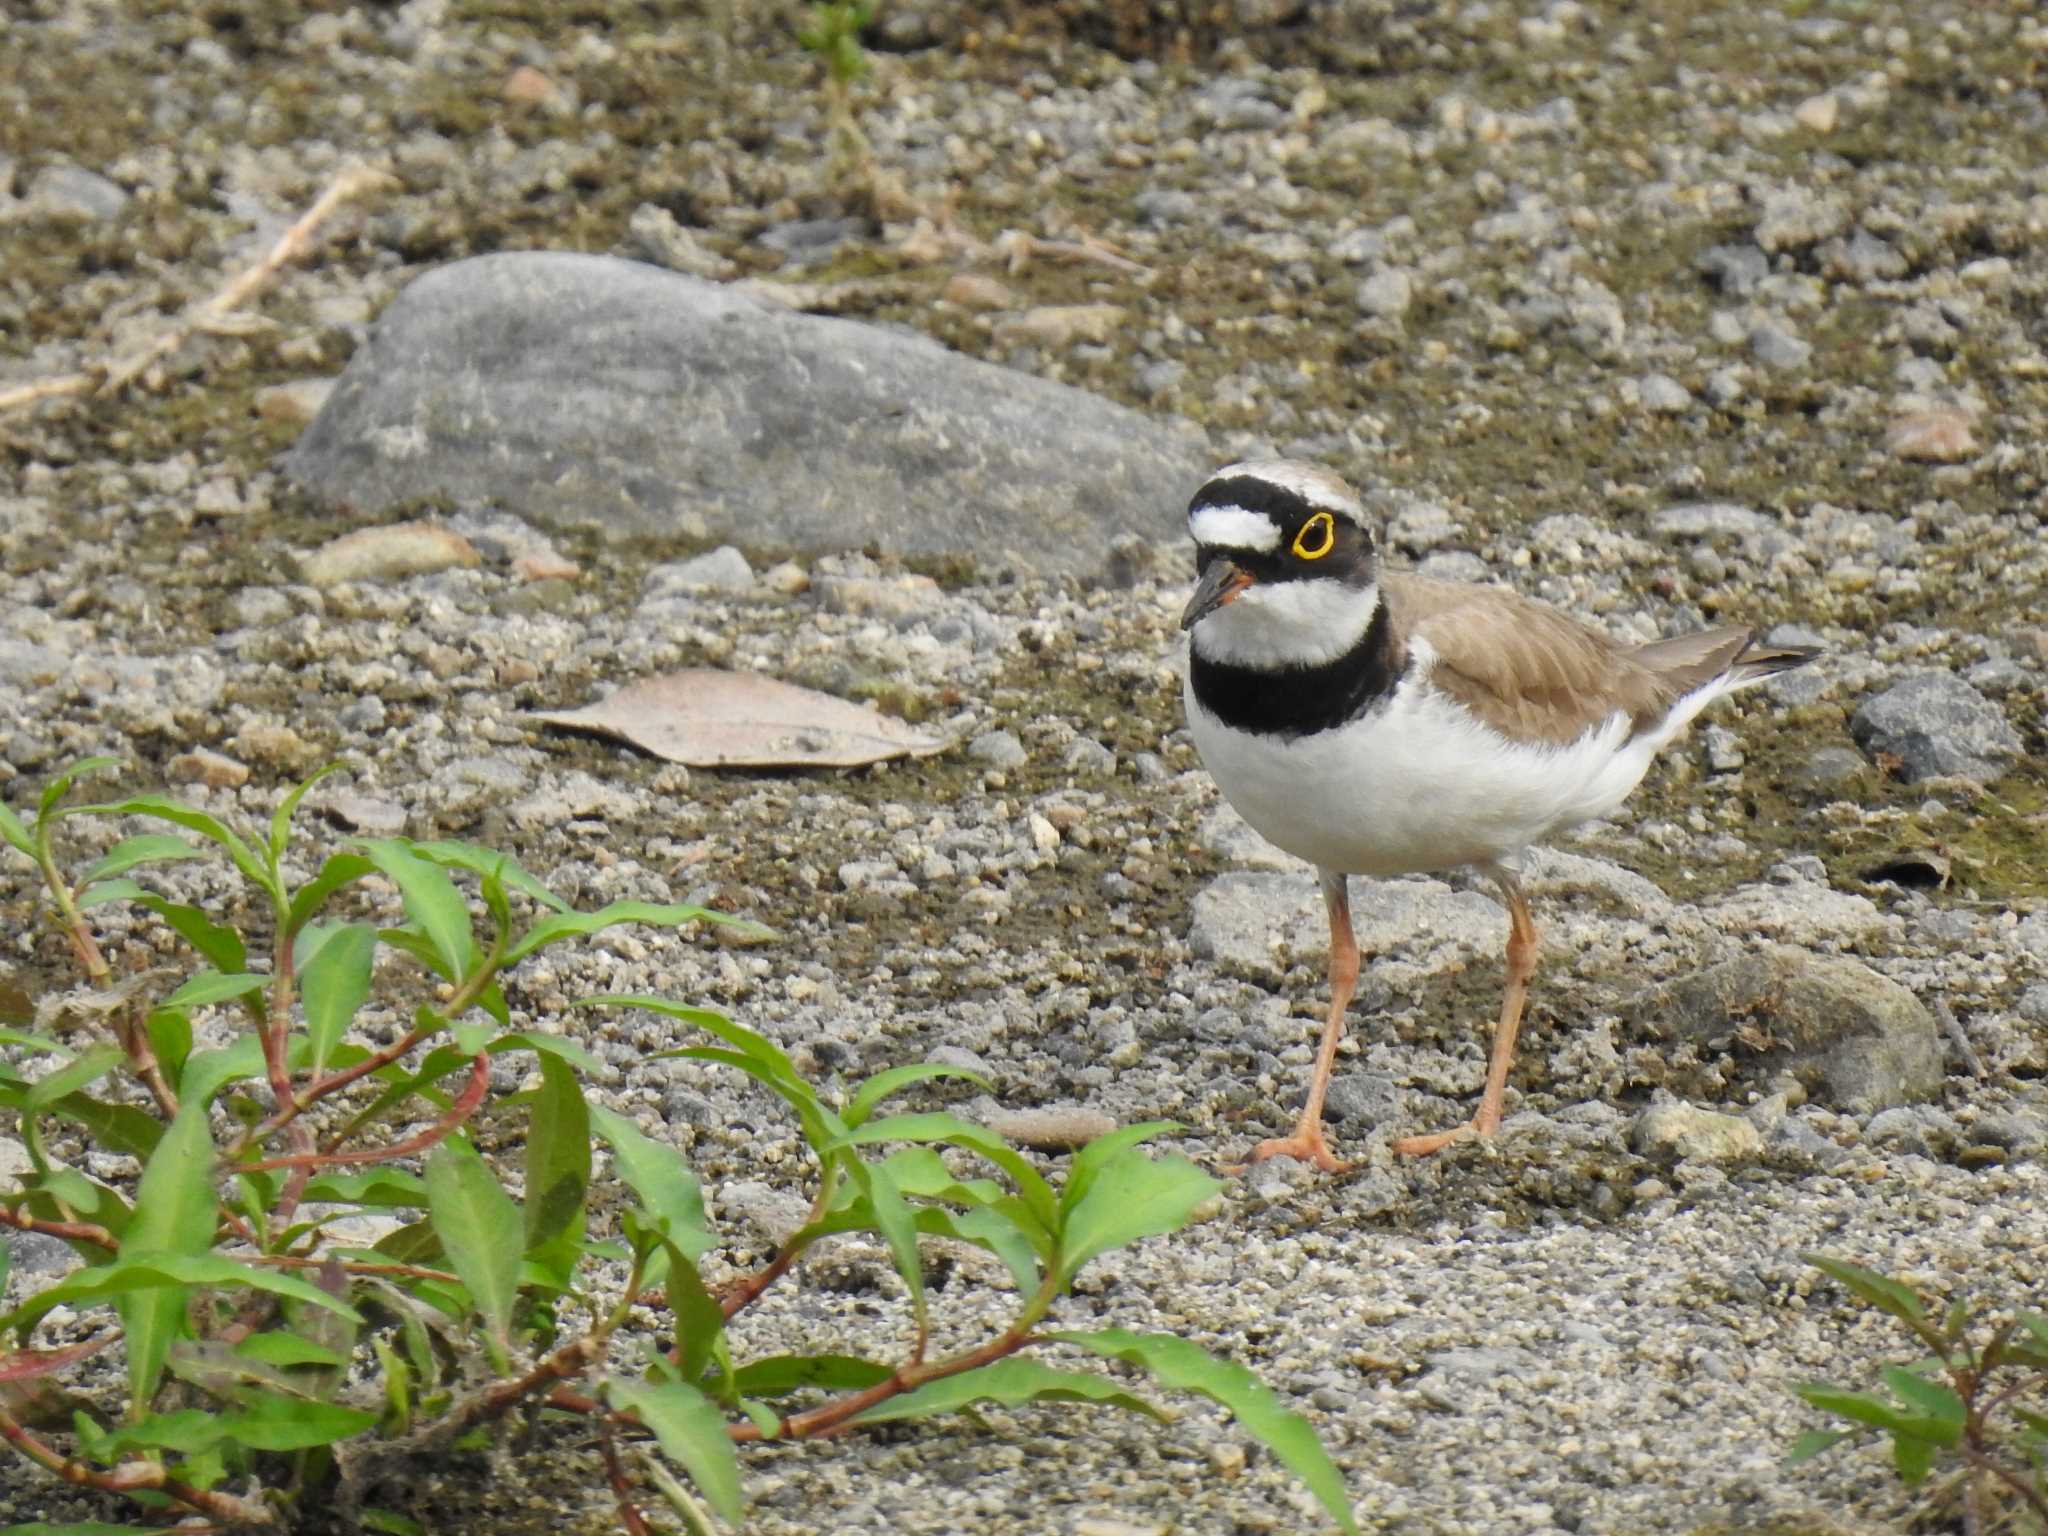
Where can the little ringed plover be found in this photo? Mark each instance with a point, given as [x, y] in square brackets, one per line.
[1381, 723]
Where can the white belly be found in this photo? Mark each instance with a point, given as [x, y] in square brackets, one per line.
[1418, 784]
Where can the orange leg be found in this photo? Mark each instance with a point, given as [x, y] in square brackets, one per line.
[1307, 1143]
[1522, 946]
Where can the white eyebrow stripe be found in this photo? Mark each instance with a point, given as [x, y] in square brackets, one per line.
[1234, 528]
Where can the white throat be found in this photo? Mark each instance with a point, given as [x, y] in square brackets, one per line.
[1272, 625]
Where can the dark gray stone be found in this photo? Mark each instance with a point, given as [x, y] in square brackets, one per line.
[1736, 269]
[1855, 1040]
[573, 389]
[1935, 724]
[1366, 1098]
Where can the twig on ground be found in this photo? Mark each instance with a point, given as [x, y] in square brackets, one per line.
[1953, 1027]
[211, 315]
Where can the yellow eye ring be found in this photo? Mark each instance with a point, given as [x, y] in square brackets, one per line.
[1322, 526]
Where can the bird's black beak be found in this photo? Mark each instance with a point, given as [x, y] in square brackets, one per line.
[1221, 582]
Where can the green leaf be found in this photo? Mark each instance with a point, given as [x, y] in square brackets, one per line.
[557, 926]
[373, 1186]
[210, 986]
[1178, 1364]
[1813, 1442]
[882, 1084]
[271, 1422]
[1913, 1457]
[281, 818]
[898, 1228]
[950, 1130]
[391, 1523]
[700, 1322]
[1861, 1408]
[1003, 1228]
[553, 1045]
[691, 1432]
[163, 808]
[479, 1229]
[1010, 1382]
[773, 1061]
[334, 982]
[188, 1431]
[175, 1209]
[170, 1037]
[431, 901]
[780, 1375]
[287, 1349]
[34, 1042]
[73, 1075]
[666, 1186]
[220, 946]
[451, 854]
[116, 1127]
[16, 834]
[60, 786]
[336, 872]
[1938, 1402]
[1088, 1163]
[130, 852]
[1131, 1196]
[149, 1272]
[1881, 1291]
[207, 1072]
[557, 1170]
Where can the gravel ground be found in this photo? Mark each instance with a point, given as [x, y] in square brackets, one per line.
[1661, 312]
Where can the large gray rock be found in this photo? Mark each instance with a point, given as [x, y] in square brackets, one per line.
[1856, 1040]
[1935, 723]
[584, 389]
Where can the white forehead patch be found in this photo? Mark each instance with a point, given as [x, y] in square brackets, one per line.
[1234, 528]
[1314, 484]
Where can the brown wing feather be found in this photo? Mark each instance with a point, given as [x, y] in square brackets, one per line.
[1529, 671]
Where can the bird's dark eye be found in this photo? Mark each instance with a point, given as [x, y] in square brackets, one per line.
[1316, 538]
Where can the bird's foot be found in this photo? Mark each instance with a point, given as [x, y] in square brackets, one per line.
[1423, 1146]
[1304, 1146]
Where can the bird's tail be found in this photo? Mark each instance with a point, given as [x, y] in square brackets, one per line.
[1728, 656]
[1757, 663]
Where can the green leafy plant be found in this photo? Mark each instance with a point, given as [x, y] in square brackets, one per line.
[834, 37]
[1978, 1401]
[318, 1270]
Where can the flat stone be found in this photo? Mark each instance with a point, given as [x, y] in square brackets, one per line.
[555, 386]
[202, 765]
[723, 569]
[1686, 1131]
[1934, 723]
[1853, 1039]
[387, 554]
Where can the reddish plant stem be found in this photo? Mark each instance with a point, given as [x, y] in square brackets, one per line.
[319, 1089]
[831, 1418]
[501, 1396]
[2029, 1494]
[133, 1475]
[465, 1106]
[133, 1037]
[743, 1292]
[630, 1518]
[354, 1267]
[70, 1231]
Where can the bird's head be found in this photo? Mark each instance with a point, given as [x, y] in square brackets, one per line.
[1285, 565]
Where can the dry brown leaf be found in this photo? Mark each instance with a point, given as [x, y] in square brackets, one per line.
[710, 719]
